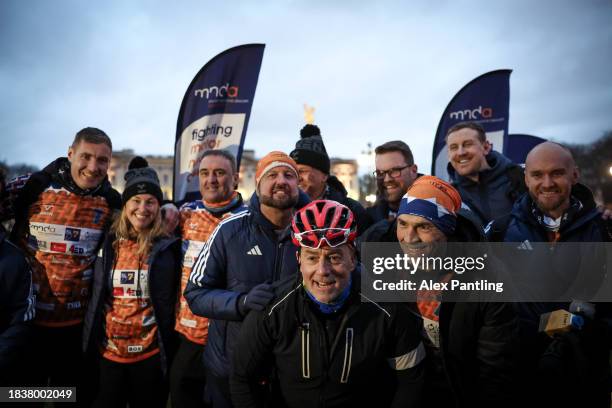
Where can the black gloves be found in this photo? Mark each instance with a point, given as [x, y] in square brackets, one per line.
[257, 298]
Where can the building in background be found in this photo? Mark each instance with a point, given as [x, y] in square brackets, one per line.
[346, 172]
[118, 167]
[163, 165]
[246, 177]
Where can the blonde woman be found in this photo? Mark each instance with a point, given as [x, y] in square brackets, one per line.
[130, 320]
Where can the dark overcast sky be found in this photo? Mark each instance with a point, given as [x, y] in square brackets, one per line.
[374, 71]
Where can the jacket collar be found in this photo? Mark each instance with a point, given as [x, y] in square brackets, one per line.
[222, 208]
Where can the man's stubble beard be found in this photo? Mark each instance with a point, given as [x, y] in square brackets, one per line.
[283, 204]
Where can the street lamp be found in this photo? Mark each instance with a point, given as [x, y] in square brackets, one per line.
[610, 170]
[366, 161]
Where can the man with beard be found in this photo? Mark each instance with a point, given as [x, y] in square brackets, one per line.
[489, 182]
[314, 178]
[217, 178]
[243, 256]
[558, 209]
[395, 172]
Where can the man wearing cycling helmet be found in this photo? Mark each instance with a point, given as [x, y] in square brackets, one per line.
[328, 344]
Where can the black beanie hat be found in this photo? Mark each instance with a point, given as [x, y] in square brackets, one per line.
[310, 150]
[141, 179]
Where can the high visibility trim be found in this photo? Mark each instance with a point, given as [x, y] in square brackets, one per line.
[348, 355]
[283, 299]
[306, 350]
[408, 360]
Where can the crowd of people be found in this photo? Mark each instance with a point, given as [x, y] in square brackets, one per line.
[222, 302]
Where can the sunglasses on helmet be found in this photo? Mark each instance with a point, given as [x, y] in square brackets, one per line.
[334, 237]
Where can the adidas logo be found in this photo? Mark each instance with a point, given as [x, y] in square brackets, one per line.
[525, 245]
[254, 251]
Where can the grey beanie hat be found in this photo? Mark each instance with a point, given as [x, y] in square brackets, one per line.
[141, 179]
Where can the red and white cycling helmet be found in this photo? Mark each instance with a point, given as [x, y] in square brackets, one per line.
[323, 222]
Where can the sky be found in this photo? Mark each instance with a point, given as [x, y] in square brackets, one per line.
[374, 71]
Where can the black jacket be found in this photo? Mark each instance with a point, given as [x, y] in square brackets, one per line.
[379, 211]
[382, 231]
[336, 191]
[478, 340]
[164, 283]
[366, 355]
[478, 348]
[16, 306]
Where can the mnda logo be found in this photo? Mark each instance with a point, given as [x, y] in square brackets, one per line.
[224, 91]
[44, 228]
[472, 114]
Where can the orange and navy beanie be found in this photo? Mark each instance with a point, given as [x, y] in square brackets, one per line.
[433, 199]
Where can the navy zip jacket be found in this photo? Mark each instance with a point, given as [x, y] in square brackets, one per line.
[164, 284]
[582, 224]
[496, 190]
[241, 253]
